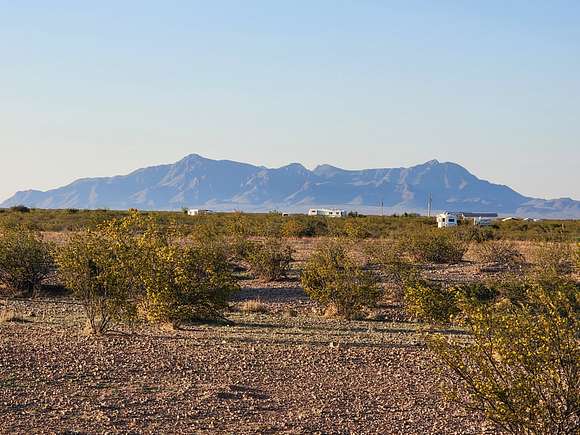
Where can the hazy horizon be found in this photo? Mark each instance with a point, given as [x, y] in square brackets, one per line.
[104, 89]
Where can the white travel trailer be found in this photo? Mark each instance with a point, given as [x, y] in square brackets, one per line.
[197, 211]
[482, 221]
[334, 212]
[446, 219]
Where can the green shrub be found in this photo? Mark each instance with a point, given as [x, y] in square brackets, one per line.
[431, 301]
[557, 258]
[391, 257]
[182, 282]
[270, 260]
[295, 227]
[92, 265]
[478, 292]
[475, 233]
[134, 266]
[20, 209]
[25, 259]
[503, 254]
[331, 277]
[436, 246]
[521, 366]
[357, 229]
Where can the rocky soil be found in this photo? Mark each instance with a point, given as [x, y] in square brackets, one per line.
[263, 373]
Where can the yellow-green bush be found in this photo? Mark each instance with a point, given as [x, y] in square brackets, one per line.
[25, 259]
[270, 259]
[134, 265]
[503, 254]
[295, 227]
[553, 257]
[392, 259]
[431, 301]
[331, 277]
[182, 282]
[93, 266]
[520, 368]
[436, 246]
[357, 228]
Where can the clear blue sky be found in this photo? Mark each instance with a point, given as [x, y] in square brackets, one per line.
[104, 87]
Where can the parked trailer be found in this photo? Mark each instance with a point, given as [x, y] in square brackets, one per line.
[446, 219]
[197, 211]
[329, 212]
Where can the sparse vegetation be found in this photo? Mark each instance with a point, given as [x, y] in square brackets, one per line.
[167, 269]
[392, 258]
[183, 283]
[276, 225]
[132, 266]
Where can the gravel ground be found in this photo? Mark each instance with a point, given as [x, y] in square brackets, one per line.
[265, 373]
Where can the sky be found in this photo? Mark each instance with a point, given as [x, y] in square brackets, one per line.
[103, 88]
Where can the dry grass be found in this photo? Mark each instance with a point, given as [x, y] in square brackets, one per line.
[289, 312]
[254, 306]
[7, 316]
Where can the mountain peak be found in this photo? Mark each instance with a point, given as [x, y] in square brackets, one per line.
[192, 157]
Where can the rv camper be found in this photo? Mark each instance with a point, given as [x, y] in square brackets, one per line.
[197, 212]
[334, 212]
[446, 219]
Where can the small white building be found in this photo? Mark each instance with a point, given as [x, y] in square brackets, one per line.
[197, 211]
[446, 219]
[334, 212]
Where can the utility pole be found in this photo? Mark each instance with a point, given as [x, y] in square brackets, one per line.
[429, 203]
[382, 208]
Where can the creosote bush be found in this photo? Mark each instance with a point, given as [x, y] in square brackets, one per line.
[133, 267]
[503, 254]
[295, 227]
[392, 259]
[431, 301]
[270, 259]
[521, 367]
[92, 264]
[557, 258]
[183, 282]
[436, 246]
[332, 278]
[25, 259]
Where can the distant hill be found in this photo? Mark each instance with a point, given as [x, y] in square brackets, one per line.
[195, 181]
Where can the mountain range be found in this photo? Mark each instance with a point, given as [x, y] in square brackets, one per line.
[198, 182]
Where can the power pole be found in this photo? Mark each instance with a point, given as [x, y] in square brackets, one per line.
[429, 203]
[382, 208]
